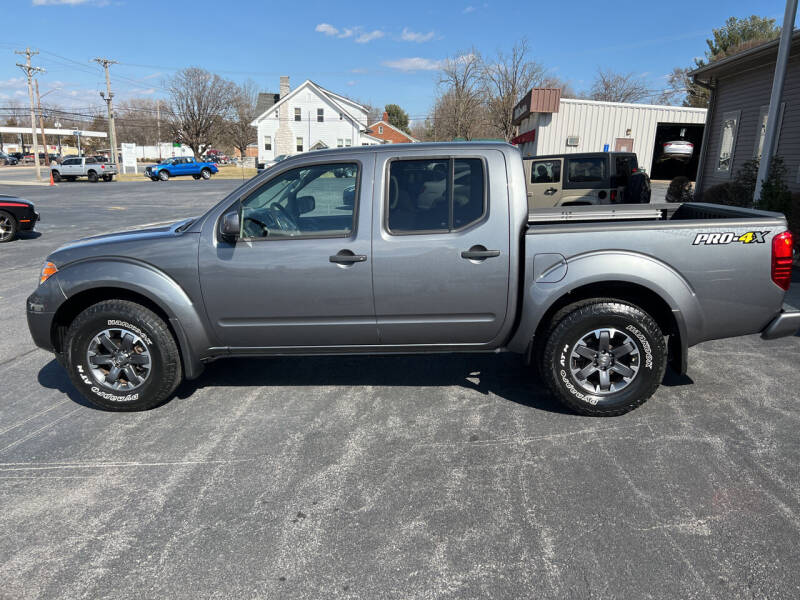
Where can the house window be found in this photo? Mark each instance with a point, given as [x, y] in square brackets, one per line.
[380, 128]
[339, 143]
[320, 115]
[296, 114]
[348, 142]
[267, 142]
[761, 132]
[727, 146]
[341, 116]
[276, 114]
[299, 144]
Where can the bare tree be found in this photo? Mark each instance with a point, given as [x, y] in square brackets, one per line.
[611, 86]
[460, 110]
[505, 81]
[239, 129]
[137, 121]
[200, 104]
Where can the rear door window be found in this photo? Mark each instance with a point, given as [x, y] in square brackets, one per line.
[435, 195]
[587, 172]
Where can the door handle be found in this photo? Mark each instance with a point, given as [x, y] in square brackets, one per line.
[346, 257]
[550, 190]
[479, 253]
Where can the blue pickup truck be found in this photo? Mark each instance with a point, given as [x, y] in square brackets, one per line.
[183, 165]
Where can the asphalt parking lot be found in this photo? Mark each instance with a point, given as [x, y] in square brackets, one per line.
[384, 477]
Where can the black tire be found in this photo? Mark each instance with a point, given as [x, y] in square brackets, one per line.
[195, 176]
[56, 176]
[558, 360]
[153, 340]
[92, 176]
[205, 173]
[163, 175]
[108, 177]
[638, 191]
[8, 227]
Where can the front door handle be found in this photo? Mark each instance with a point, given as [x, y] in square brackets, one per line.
[550, 190]
[479, 253]
[346, 257]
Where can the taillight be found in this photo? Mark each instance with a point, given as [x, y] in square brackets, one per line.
[613, 196]
[782, 245]
[667, 144]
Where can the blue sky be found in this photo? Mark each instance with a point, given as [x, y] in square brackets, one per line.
[375, 52]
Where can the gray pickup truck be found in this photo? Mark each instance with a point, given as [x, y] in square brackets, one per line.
[413, 248]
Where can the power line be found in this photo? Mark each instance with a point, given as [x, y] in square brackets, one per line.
[31, 72]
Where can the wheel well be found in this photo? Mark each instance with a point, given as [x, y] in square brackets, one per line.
[83, 300]
[644, 298]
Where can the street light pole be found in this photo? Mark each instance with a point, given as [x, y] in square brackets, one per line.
[30, 71]
[58, 126]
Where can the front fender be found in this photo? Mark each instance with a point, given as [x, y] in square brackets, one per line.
[141, 278]
[611, 267]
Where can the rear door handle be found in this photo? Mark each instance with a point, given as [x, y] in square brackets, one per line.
[346, 257]
[479, 253]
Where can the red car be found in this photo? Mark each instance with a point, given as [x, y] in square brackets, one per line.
[16, 215]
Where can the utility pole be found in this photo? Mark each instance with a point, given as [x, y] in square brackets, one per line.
[30, 72]
[781, 64]
[41, 122]
[158, 128]
[112, 132]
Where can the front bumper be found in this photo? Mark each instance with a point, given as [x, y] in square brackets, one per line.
[29, 222]
[785, 324]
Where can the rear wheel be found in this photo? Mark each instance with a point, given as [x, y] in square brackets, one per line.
[56, 176]
[205, 173]
[122, 357]
[603, 357]
[8, 227]
[92, 176]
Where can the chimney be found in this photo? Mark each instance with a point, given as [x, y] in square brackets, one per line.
[284, 85]
[385, 116]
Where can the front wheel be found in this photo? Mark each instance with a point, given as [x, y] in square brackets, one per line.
[122, 357]
[163, 175]
[603, 357]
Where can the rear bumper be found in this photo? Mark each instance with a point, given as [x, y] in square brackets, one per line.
[785, 324]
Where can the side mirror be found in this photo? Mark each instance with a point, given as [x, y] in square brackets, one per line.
[305, 204]
[230, 225]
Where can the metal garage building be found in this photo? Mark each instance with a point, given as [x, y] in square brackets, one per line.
[549, 124]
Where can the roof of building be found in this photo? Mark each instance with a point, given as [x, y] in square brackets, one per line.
[765, 52]
[265, 101]
[387, 124]
[336, 100]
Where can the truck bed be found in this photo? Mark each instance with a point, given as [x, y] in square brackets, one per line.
[643, 212]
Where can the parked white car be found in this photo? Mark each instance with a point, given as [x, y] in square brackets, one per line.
[680, 150]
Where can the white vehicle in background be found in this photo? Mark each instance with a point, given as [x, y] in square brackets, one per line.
[680, 150]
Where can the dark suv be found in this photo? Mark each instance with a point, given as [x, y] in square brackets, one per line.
[585, 178]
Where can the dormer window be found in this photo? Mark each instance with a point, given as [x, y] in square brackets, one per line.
[380, 128]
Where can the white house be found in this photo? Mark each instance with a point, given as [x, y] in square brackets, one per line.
[309, 118]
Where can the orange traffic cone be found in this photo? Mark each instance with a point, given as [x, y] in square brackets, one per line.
[51, 178]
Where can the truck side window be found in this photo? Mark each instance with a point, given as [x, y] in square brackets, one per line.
[435, 195]
[310, 201]
[587, 170]
[546, 171]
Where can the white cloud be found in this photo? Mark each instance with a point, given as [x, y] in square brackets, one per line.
[367, 37]
[13, 83]
[414, 36]
[326, 28]
[413, 64]
[351, 82]
[362, 37]
[359, 70]
[69, 2]
[469, 9]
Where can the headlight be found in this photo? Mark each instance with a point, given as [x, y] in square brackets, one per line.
[47, 270]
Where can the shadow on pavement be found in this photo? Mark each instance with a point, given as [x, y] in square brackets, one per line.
[54, 377]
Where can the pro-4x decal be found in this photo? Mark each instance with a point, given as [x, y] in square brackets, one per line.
[708, 239]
